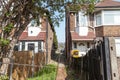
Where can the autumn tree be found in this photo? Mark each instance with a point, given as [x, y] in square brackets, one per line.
[15, 15]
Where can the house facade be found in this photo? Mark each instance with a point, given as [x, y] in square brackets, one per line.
[79, 33]
[37, 38]
[82, 29]
[107, 21]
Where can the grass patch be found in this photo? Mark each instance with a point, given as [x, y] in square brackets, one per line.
[46, 73]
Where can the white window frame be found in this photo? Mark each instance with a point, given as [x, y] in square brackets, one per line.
[86, 19]
[100, 13]
[110, 12]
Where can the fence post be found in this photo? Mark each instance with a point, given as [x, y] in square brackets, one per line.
[33, 56]
[106, 55]
[113, 58]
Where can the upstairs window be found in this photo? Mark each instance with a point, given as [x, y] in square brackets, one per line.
[98, 19]
[111, 17]
[81, 19]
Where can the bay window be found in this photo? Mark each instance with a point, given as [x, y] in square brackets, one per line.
[81, 19]
[111, 17]
[107, 18]
[98, 19]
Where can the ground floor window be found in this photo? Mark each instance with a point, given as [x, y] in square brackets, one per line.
[23, 46]
[75, 45]
[31, 46]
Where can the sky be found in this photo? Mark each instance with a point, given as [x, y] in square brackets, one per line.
[60, 31]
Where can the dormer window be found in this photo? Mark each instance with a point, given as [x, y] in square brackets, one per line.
[33, 23]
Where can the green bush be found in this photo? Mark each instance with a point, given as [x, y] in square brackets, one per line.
[46, 73]
[4, 42]
[4, 77]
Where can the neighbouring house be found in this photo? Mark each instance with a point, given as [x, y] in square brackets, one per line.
[107, 21]
[79, 33]
[38, 38]
[82, 29]
[107, 24]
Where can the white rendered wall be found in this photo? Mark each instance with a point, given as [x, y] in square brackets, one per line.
[83, 31]
[33, 31]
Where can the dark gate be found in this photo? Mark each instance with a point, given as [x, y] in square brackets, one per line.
[96, 63]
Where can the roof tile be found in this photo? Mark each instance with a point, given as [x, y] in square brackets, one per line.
[76, 36]
[40, 36]
[107, 3]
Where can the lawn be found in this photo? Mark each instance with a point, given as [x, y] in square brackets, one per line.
[46, 73]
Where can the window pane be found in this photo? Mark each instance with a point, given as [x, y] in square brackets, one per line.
[98, 20]
[23, 46]
[75, 45]
[39, 46]
[117, 18]
[112, 17]
[108, 18]
[31, 46]
[83, 20]
[77, 19]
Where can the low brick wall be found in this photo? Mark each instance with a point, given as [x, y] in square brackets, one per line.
[23, 61]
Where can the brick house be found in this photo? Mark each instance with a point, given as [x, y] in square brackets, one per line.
[107, 24]
[79, 33]
[82, 29]
[107, 21]
[35, 37]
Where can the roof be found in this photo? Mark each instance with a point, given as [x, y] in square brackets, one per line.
[107, 4]
[40, 36]
[89, 37]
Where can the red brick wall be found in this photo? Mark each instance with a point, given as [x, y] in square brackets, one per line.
[110, 31]
[50, 37]
[72, 22]
[50, 42]
[99, 31]
[43, 23]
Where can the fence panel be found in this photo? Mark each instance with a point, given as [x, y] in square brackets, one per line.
[27, 66]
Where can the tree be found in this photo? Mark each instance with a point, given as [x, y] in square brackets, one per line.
[15, 15]
[55, 41]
